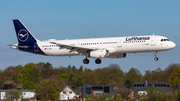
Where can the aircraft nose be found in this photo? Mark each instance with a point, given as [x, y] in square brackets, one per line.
[172, 45]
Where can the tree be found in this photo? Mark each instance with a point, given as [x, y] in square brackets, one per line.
[161, 95]
[69, 68]
[13, 94]
[48, 89]
[11, 74]
[151, 76]
[74, 70]
[168, 71]
[44, 92]
[46, 71]
[29, 85]
[34, 74]
[87, 69]
[175, 78]
[133, 75]
[78, 82]
[112, 84]
[124, 92]
[90, 78]
[25, 73]
[115, 73]
[80, 70]
[71, 80]
[128, 84]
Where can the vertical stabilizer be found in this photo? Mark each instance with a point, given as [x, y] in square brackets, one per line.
[24, 36]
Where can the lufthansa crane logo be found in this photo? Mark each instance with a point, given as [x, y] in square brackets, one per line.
[23, 35]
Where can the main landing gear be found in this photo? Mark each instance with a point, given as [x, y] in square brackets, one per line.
[98, 61]
[156, 58]
[86, 61]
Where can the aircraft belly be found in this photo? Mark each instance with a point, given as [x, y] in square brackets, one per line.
[138, 48]
[59, 52]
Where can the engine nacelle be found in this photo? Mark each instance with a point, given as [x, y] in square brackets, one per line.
[99, 54]
[123, 55]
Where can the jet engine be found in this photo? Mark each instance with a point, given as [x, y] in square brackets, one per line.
[123, 55]
[99, 54]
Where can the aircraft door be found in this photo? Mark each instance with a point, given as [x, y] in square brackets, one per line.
[153, 41]
[78, 43]
[119, 43]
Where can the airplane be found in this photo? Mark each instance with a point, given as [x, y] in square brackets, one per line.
[111, 47]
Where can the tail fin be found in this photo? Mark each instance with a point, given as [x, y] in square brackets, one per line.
[24, 36]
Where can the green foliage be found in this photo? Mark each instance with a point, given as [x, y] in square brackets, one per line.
[29, 85]
[128, 84]
[51, 80]
[63, 76]
[19, 67]
[66, 75]
[175, 78]
[13, 94]
[160, 95]
[41, 84]
[46, 71]
[112, 84]
[48, 89]
[25, 100]
[158, 75]
[25, 73]
[80, 69]
[78, 82]
[11, 74]
[73, 79]
[133, 75]
[104, 76]
[100, 97]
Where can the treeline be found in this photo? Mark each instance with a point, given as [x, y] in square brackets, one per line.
[46, 79]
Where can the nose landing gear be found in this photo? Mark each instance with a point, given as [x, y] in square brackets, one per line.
[156, 58]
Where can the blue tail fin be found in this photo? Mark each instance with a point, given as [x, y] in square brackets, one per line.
[24, 36]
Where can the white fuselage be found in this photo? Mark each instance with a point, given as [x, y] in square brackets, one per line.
[115, 45]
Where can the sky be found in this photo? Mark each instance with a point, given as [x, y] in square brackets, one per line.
[76, 19]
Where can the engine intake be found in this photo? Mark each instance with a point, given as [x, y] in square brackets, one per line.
[99, 54]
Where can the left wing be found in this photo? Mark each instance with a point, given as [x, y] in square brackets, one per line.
[75, 48]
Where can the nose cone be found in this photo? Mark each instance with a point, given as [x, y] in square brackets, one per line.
[172, 45]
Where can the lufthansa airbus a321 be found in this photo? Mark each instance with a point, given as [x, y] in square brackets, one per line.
[112, 47]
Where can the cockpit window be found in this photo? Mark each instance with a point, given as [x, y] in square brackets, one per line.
[165, 40]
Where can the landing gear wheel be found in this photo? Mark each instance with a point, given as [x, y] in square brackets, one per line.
[98, 61]
[156, 58]
[86, 61]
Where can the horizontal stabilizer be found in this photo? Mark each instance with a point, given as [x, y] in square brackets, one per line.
[13, 46]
